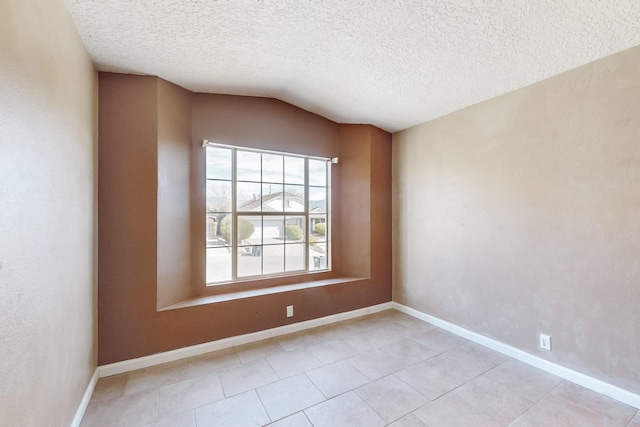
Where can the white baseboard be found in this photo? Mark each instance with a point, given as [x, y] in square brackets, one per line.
[584, 380]
[82, 408]
[195, 350]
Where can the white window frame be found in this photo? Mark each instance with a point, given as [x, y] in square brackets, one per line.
[235, 215]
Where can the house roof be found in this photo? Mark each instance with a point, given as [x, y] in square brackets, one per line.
[254, 205]
[393, 64]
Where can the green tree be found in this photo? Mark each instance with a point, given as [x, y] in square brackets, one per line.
[245, 228]
[321, 228]
[293, 232]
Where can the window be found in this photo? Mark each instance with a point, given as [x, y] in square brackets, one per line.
[267, 214]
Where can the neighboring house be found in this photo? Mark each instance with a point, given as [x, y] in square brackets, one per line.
[284, 202]
[269, 229]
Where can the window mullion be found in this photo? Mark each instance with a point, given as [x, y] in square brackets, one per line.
[328, 211]
[306, 214]
[234, 216]
[240, 195]
[261, 217]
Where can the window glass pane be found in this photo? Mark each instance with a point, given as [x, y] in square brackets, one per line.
[214, 239]
[272, 168]
[248, 196]
[272, 198]
[318, 228]
[249, 261]
[273, 259]
[294, 170]
[295, 229]
[317, 200]
[218, 196]
[218, 163]
[218, 265]
[317, 172]
[294, 198]
[318, 256]
[273, 229]
[275, 224]
[294, 257]
[249, 230]
[248, 166]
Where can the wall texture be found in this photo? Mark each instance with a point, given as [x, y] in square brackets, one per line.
[357, 239]
[147, 207]
[47, 215]
[521, 215]
[174, 194]
[266, 124]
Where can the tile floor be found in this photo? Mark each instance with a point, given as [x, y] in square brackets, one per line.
[386, 369]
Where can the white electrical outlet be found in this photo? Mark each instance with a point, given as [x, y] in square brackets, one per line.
[545, 341]
[289, 311]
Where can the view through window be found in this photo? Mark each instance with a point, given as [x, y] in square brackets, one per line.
[267, 213]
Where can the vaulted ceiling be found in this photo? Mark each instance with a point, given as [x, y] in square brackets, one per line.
[393, 63]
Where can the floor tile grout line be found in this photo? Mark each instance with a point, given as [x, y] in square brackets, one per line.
[415, 415]
[579, 403]
[421, 394]
[465, 383]
[363, 385]
[266, 359]
[255, 390]
[329, 398]
[157, 404]
[401, 416]
[394, 372]
[544, 396]
[337, 395]
[342, 394]
[197, 407]
[604, 396]
[205, 405]
[305, 415]
[316, 386]
[369, 406]
[540, 398]
[193, 377]
[384, 349]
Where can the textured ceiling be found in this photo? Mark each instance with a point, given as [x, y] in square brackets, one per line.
[390, 63]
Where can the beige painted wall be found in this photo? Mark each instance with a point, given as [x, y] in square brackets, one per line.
[47, 215]
[521, 215]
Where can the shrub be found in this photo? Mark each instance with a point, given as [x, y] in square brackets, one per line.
[293, 232]
[313, 240]
[245, 228]
[321, 228]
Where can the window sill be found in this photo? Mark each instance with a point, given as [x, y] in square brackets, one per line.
[230, 296]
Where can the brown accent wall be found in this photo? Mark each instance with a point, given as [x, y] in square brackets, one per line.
[48, 143]
[136, 199]
[262, 123]
[380, 222]
[127, 227]
[355, 151]
[521, 215]
[365, 156]
[174, 267]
